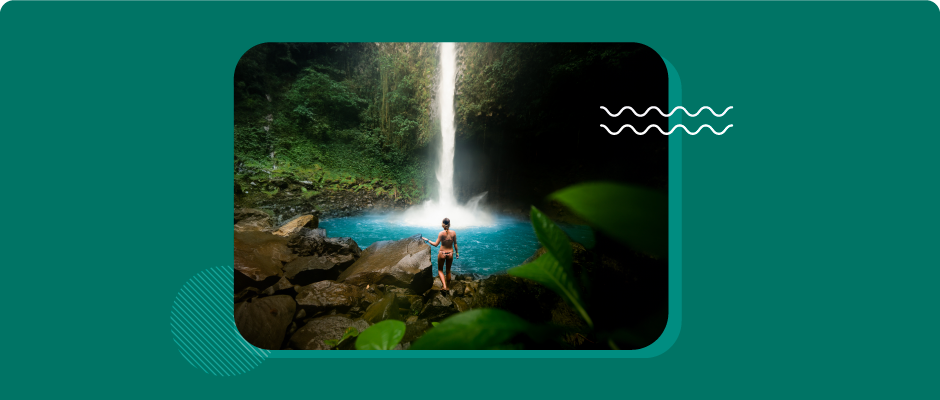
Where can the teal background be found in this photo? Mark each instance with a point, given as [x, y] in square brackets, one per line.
[808, 228]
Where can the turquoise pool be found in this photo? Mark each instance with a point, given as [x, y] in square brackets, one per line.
[484, 250]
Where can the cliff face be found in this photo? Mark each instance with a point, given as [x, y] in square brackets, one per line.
[341, 127]
[528, 131]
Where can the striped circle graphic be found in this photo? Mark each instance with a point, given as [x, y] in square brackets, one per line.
[203, 326]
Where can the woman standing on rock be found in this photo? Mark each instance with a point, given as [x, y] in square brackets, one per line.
[448, 241]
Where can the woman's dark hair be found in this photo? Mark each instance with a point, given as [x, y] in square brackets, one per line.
[447, 221]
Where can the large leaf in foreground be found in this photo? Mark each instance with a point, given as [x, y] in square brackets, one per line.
[636, 216]
[384, 335]
[350, 332]
[549, 272]
[552, 237]
[479, 329]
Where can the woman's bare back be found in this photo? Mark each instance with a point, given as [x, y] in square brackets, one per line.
[447, 239]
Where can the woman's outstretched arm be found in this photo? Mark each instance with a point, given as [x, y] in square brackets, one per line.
[435, 243]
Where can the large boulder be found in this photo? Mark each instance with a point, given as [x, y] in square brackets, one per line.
[307, 242]
[386, 308]
[258, 259]
[250, 219]
[341, 246]
[404, 263]
[328, 295]
[250, 214]
[264, 321]
[330, 327]
[294, 225]
[306, 270]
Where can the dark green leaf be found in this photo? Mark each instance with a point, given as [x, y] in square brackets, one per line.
[477, 329]
[350, 332]
[549, 272]
[552, 237]
[435, 323]
[331, 343]
[636, 216]
[381, 336]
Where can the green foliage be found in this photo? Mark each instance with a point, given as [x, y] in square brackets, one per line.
[636, 216]
[553, 269]
[555, 240]
[492, 328]
[350, 332]
[308, 193]
[384, 335]
[356, 109]
[477, 329]
[251, 142]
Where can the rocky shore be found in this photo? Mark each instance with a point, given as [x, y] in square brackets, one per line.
[296, 288]
[285, 198]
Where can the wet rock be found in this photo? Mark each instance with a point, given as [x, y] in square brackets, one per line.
[307, 242]
[328, 295]
[458, 288]
[417, 305]
[414, 328]
[250, 219]
[294, 225]
[263, 322]
[282, 287]
[438, 308]
[251, 214]
[461, 304]
[258, 259]
[404, 263]
[306, 270]
[247, 293]
[370, 297]
[385, 308]
[468, 277]
[405, 300]
[292, 328]
[341, 246]
[331, 327]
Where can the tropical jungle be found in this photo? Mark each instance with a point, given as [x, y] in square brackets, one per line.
[348, 155]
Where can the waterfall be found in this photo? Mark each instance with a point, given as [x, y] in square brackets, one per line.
[445, 101]
[431, 213]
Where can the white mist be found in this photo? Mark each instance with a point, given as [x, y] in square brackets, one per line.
[431, 213]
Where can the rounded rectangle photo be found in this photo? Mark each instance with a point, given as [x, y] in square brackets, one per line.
[455, 196]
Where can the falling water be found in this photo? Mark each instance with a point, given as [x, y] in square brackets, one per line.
[445, 100]
[431, 213]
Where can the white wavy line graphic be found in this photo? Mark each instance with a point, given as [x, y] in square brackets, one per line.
[666, 133]
[665, 115]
